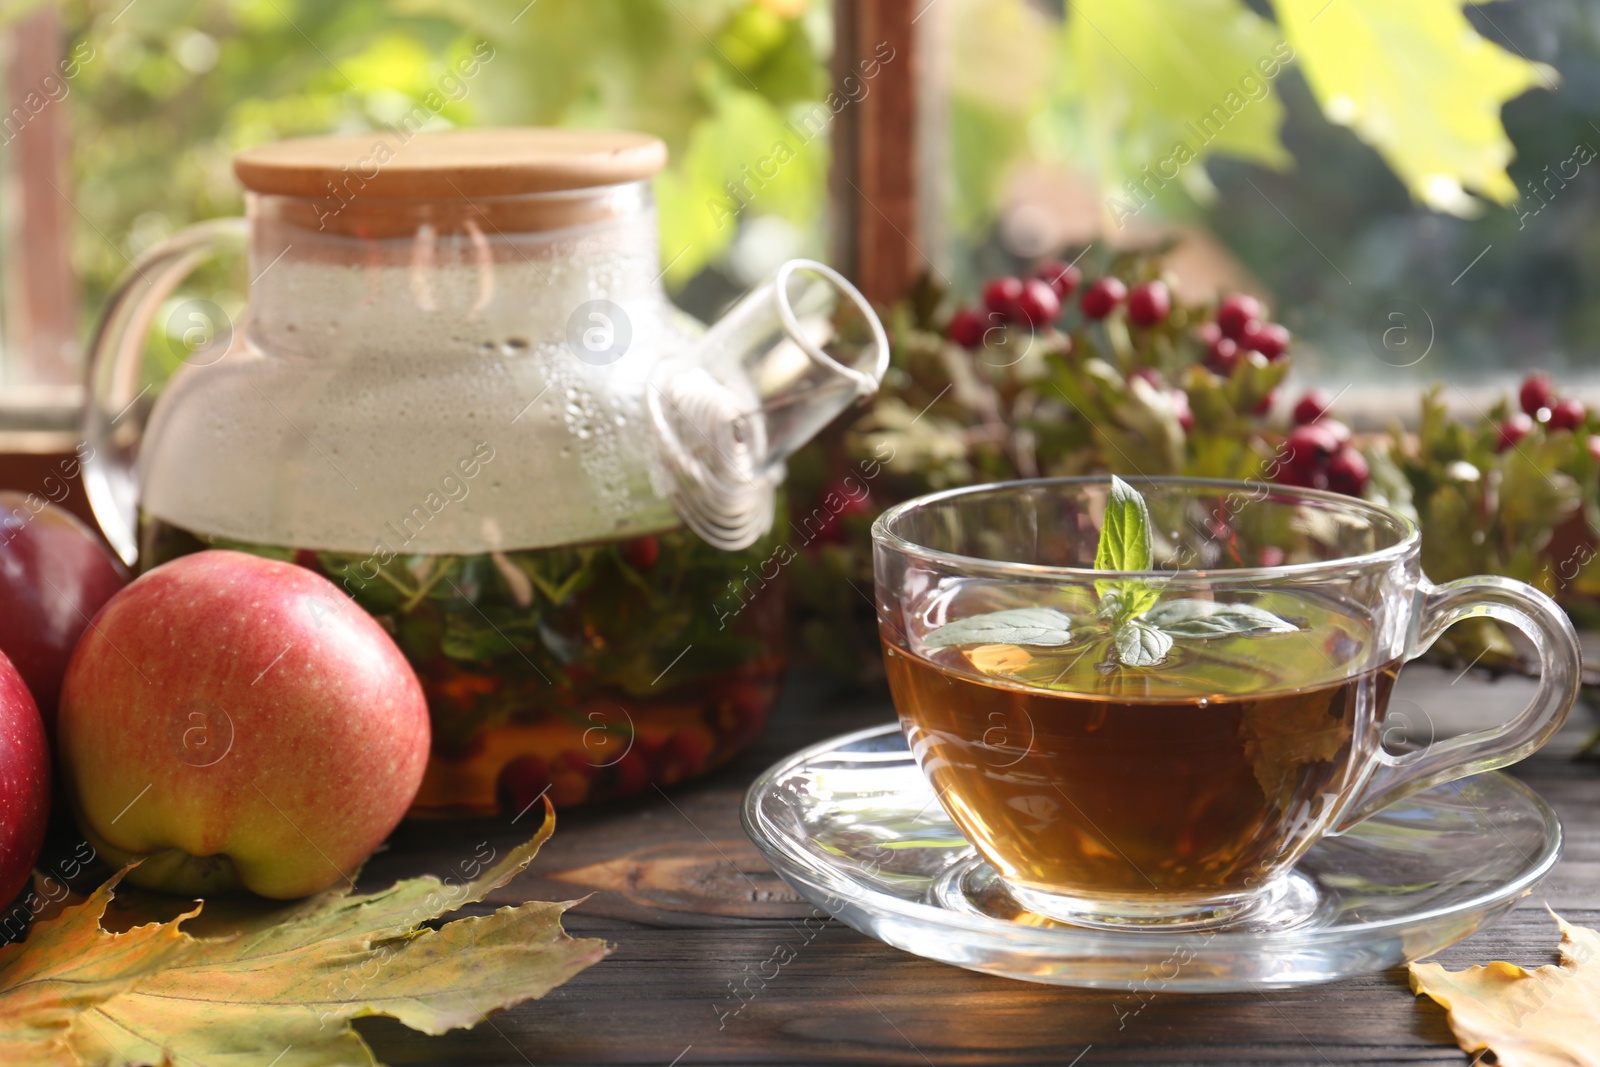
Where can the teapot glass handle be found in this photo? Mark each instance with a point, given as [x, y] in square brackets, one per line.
[119, 396]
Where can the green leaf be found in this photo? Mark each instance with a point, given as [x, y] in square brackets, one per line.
[748, 158]
[1126, 600]
[1418, 83]
[1140, 644]
[1125, 543]
[1041, 627]
[1162, 85]
[1207, 618]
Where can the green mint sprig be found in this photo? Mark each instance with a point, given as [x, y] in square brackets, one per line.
[1138, 628]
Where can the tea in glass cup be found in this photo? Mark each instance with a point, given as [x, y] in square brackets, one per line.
[1142, 703]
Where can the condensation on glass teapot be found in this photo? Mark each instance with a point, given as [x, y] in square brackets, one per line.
[473, 300]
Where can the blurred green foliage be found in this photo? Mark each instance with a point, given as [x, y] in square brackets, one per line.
[1140, 90]
[175, 87]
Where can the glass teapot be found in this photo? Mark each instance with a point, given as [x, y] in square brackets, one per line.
[461, 394]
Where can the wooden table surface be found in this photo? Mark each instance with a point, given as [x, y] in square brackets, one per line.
[692, 909]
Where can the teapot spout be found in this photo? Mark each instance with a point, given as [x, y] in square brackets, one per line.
[780, 365]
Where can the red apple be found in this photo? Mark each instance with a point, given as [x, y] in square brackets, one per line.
[24, 782]
[239, 722]
[55, 573]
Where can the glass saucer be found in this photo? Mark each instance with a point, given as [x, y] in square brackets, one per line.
[854, 826]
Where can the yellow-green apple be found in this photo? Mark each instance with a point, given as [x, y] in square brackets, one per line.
[55, 573]
[239, 722]
[24, 781]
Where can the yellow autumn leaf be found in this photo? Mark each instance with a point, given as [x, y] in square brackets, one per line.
[1546, 1017]
[1420, 85]
[241, 984]
[68, 963]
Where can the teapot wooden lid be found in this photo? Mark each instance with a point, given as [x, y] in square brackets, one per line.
[392, 165]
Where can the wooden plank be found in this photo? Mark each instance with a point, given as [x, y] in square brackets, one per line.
[691, 908]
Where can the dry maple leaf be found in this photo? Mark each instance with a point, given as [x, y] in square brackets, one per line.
[1546, 1017]
[278, 984]
[68, 963]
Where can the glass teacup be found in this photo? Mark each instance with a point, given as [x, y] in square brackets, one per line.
[1158, 746]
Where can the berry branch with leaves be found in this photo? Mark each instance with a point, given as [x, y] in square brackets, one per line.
[1086, 368]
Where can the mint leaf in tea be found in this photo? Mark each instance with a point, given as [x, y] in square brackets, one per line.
[1209, 618]
[1139, 644]
[1018, 626]
[1125, 541]
[1129, 622]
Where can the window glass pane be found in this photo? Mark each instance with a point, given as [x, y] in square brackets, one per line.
[1213, 121]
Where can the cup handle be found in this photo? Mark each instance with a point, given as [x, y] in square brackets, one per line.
[1551, 632]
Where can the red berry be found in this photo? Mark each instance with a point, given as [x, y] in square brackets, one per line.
[1100, 298]
[632, 775]
[1513, 429]
[641, 553]
[569, 788]
[1223, 356]
[1149, 303]
[1566, 414]
[1000, 296]
[1149, 374]
[683, 755]
[966, 328]
[737, 713]
[520, 783]
[1180, 408]
[1594, 447]
[1269, 338]
[1312, 443]
[576, 762]
[1038, 305]
[1536, 393]
[1236, 312]
[1340, 431]
[1208, 333]
[1348, 472]
[1304, 469]
[839, 501]
[1312, 406]
[1062, 278]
